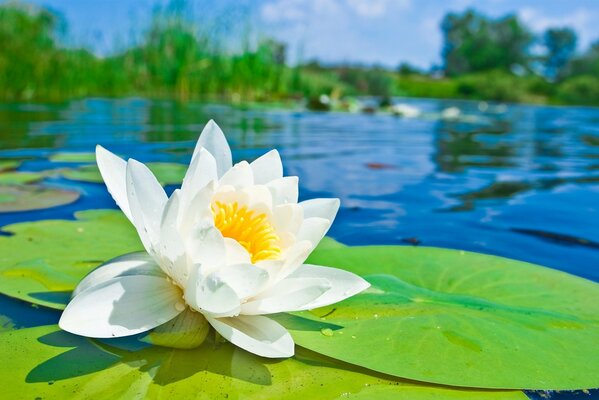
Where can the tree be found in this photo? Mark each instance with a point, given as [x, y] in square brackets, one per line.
[560, 44]
[474, 42]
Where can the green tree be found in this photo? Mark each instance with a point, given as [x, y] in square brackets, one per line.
[474, 43]
[560, 44]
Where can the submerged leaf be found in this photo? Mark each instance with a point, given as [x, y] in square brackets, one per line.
[47, 363]
[14, 198]
[459, 318]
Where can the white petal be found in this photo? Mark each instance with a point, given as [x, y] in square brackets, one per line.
[259, 198]
[288, 218]
[256, 334]
[213, 139]
[210, 295]
[207, 246]
[171, 247]
[197, 210]
[147, 200]
[122, 306]
[284, 190]
[292, 259]
[344, 284]
[239, 176]
[267, 167]
[236, 253]
[313, 229]
[321, 208]
[130, 264]
[201, 171]
[113, 170]
[291, 294]
[245, 279]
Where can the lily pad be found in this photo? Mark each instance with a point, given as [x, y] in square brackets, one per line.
[42, 262]
[459, 318]
[72, 157]
[14, 198]
[166, 173]
[48, 363]
[18, 178]
[6, 165]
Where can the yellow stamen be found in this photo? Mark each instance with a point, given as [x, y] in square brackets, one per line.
[250, 229]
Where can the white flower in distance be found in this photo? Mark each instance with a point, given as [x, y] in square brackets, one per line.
[229, 244]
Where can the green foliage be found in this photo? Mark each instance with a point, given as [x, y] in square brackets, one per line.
[474, 43]
[48, 363]
[579, 90]
[458, 318]
[561, 45]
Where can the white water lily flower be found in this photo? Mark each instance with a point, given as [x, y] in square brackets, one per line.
[229, 244]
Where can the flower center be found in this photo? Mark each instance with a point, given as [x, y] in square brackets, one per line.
[250, 229]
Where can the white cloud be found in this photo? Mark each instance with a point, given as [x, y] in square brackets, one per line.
[376, 8]
[283, 11]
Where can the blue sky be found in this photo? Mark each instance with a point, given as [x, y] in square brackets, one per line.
[369, 31]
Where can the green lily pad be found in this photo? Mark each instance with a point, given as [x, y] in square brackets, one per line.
[166, 173]
[459, 318]
[19, 178]
[14, 198]
[6, 165]
[70, 157]
[43, 261]
[47, 363]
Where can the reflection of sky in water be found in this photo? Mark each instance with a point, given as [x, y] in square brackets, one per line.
[521, 182]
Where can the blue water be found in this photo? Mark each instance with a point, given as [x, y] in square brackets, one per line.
[518, 181]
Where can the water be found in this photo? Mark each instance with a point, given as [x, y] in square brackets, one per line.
[518, 181]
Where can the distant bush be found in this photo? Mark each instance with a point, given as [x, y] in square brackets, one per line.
[423, 86]
[579, 90]
[494, 85]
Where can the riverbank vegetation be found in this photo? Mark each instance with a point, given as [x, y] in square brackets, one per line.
[483, 58]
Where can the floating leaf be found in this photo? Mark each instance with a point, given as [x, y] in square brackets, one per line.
[166, 173]
[17, 178]
[6, 165]
[47, 363]
[43, 261]
[459, 318]
[15, 198]
[72, 157]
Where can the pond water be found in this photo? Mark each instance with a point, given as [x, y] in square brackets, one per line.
[518, 181]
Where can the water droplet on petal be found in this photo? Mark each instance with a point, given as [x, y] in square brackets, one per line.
[180, 306]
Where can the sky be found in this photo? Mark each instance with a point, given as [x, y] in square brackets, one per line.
[385, 32]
